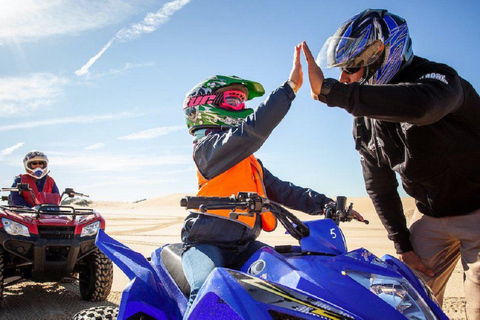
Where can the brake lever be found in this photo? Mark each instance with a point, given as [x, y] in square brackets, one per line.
[351, 216]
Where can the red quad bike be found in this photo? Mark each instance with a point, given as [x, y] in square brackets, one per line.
[52, 242]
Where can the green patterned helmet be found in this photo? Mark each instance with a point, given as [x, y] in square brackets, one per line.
[204, 108]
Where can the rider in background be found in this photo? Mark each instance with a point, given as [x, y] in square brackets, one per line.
[421, 120]
[226, 134]
[36, 166]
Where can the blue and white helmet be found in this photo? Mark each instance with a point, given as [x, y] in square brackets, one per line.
[36, 157]
[374, 39]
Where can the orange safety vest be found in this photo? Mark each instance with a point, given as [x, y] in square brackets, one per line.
[47, 187]
[246, 176]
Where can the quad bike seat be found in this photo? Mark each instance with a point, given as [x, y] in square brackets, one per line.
[171, 256]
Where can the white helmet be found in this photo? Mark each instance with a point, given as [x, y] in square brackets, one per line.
[32, 157]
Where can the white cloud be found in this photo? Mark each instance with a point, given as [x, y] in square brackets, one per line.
[116, 162]
[150, 23]
[10, 150]
[77, 119]
[151, 133]
[24, 94]
[26, 20]
[114, 72]
[95, 146]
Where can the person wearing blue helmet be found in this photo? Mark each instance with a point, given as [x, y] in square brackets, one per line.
[418, 119]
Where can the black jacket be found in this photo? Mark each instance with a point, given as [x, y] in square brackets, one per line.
[424, 126]
[219, 151]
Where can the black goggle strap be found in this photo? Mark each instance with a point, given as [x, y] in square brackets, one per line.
[218, 99]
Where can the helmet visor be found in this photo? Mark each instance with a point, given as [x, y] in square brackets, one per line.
[349, 52]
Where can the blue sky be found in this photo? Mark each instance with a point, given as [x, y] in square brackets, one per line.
[99, 85]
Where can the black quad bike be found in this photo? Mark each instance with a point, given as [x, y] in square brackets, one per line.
[53, 242]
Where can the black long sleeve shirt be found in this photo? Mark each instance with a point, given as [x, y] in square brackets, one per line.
[425, 126]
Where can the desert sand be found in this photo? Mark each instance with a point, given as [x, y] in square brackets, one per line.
[149, 224]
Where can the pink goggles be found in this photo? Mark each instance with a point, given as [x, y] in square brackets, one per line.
[230, 100]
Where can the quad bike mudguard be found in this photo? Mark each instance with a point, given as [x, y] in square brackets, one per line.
[145, 291]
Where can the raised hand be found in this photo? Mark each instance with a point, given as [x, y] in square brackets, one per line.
[296, 75]
[315, 74]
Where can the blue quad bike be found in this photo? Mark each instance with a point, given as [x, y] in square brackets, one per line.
[317, 279]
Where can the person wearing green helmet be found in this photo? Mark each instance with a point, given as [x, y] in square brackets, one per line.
[226, 134]
[203, 110]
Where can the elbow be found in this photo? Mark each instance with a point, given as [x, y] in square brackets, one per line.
[425, 120]
[433, 106]
[423, 116]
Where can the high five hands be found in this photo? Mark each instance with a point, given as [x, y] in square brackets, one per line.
[315, 74]
[316, 78]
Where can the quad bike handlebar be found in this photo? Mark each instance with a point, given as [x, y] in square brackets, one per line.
[252, 203]
[338, 211]
[72, 193]
[18, 188]
[46, 207]
[21, 187]
[47, 204]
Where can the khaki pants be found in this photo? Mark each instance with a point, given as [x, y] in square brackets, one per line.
[440, 242]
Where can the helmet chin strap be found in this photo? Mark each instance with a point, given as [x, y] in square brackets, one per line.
[365, 76]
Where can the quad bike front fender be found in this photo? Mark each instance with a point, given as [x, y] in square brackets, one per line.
[145, 292]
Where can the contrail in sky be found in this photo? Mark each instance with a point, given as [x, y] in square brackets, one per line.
[150, 23]
[84, 69]
[9, 151]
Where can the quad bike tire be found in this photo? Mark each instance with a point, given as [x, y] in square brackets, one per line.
[97, 313]
[96, 277]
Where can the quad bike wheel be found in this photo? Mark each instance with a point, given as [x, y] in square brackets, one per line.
[97, 313]
[96, 277]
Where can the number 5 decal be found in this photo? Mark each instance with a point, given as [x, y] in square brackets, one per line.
[332, 233]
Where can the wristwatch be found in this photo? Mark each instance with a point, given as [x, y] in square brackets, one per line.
[327, 85]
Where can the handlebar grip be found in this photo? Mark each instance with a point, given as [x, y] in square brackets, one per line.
[81, 194]
[196, 202]
[341, 203]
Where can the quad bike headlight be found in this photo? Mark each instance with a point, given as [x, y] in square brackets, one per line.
[397, 292]
[90, 229]
[15, 228]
